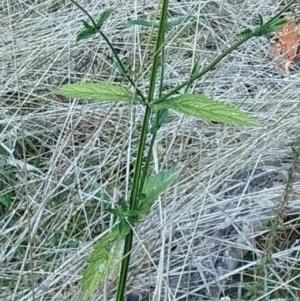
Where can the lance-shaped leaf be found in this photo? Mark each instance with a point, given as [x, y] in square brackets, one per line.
[207, 109]
[102, 260]
[154, 186]
[103, 17]
[98, 91]
[275, 26]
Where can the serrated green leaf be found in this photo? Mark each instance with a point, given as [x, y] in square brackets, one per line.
[85, 34]
[154, 186]
[102, 260]
[103, 17]
[98, 91]
[207, 109]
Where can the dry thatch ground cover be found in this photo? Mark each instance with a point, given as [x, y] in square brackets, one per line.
[63, 160]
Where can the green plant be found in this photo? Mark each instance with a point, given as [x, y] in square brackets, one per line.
[251, 289]
[146, 189]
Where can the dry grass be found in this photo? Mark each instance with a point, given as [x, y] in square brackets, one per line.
[63, 161]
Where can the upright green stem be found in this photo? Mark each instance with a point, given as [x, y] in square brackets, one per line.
[136, 185]
[133, 205]
[157, 122]
[159, 42]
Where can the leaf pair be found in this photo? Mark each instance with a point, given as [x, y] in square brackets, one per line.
[106, 252]
[190, 104]
[90, 30]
